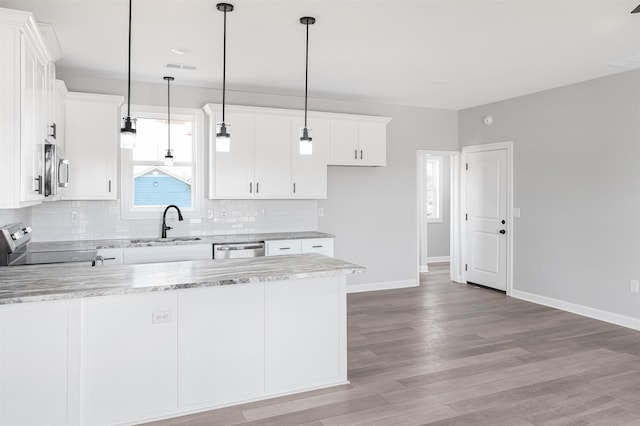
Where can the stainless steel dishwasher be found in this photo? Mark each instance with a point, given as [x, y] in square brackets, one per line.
[238, 250]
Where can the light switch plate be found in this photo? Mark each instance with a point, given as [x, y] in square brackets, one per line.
[516, 212]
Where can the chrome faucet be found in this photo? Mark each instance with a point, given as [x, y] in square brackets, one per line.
[165, 228]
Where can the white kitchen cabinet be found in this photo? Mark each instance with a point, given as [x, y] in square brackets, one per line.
[264, 161]
[92, 130]
[39, 363]
[25, 69]
[313, 245]
[109, 256]
[358, 141]
[309, 172]
[302, 348]
[272, 156]
[221, 344]
[168, 253]
[130, 357]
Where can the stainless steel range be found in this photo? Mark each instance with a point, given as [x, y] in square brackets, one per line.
[14, 249]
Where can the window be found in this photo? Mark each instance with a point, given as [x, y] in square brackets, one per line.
[148, 186]
[433, 189]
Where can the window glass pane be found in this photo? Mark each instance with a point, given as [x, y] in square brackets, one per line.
[151, 140]
[161, 186]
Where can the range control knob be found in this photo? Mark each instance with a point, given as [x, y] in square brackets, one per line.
[16, 236]
[27, 230]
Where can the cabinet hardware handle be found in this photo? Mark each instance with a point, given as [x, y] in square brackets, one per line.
[53, 130]
[294, 187]
[285, 248]
[39, 187]
[250, 187]
[316, 246]
[355, 152]
[109, 185]
[361, 154]
[257, 187]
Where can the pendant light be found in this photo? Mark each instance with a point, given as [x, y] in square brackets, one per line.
[128, 132]
[223, 137]
[306, 144]
[168, 159]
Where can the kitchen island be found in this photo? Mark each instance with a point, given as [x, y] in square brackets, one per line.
[133, 343]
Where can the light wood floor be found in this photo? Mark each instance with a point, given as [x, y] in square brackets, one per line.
[453, 354]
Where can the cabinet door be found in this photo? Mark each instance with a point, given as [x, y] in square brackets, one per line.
[273, 157]
[309, 172]
[33, 123]
[221, 344]
[372, 139]
[92, 138]
[39, 347]
[130, 357]
[343, 138]
[232, 172]
[302, 340]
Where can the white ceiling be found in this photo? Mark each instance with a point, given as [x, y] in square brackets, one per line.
[432, 53]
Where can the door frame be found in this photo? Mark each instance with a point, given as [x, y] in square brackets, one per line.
[508, 146]
[454, 233]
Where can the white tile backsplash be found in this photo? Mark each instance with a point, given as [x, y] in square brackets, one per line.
[98, 220]
[15, 215]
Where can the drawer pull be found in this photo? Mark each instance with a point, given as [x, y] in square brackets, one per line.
[285, 248]
[317, 246]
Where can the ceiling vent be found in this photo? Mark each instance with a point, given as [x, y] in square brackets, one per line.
[181, 66]
[630, 63]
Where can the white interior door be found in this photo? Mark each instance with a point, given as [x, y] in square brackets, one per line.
[486, 240]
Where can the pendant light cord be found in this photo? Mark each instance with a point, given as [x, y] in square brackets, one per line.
[129, 70]
[306, 77]
[224, 64]
[168, 116]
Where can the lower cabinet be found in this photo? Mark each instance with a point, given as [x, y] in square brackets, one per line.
[141, 357]
[221, 340]
[311, 245]
[39, 363]
[130, 357]
[302, 347]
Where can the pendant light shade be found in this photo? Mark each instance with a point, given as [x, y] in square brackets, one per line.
[128, 130]
[223, 137]
[306, 141]
[168, 158]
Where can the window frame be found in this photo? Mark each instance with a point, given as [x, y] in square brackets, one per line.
[437, 162]
[127, 209]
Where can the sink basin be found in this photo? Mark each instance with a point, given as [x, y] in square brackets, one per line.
[165, 240]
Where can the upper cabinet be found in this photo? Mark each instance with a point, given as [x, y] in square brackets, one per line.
[265, 161]
[358, 141]
[91, 134]
[26, 105]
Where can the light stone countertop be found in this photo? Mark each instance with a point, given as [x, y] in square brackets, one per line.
[171, 240]
[37, 283]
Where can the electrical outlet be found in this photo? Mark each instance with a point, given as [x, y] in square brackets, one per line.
[210, 214]
[160, 317]
[320, 211]
[75, 216]
[634, 286]
[224, 213]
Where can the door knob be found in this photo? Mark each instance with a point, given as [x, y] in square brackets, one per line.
[502, 231]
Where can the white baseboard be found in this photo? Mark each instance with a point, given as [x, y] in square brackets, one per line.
[387, 285]
[438, 259]
[424, 268]
[610, 317]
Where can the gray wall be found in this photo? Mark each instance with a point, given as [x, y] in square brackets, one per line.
[577, 182]
[372, 211]
[438, 233]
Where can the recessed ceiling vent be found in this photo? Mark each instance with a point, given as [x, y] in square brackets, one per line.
[181, 66]
[630, 63]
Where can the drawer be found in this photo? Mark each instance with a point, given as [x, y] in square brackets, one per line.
[318, 245]
[282, 247]
[170, 253]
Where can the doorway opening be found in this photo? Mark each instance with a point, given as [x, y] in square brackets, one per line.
[438, 200]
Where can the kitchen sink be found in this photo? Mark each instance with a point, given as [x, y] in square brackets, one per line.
[165, 240]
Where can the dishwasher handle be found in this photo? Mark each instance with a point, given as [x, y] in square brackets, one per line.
[229, 248]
